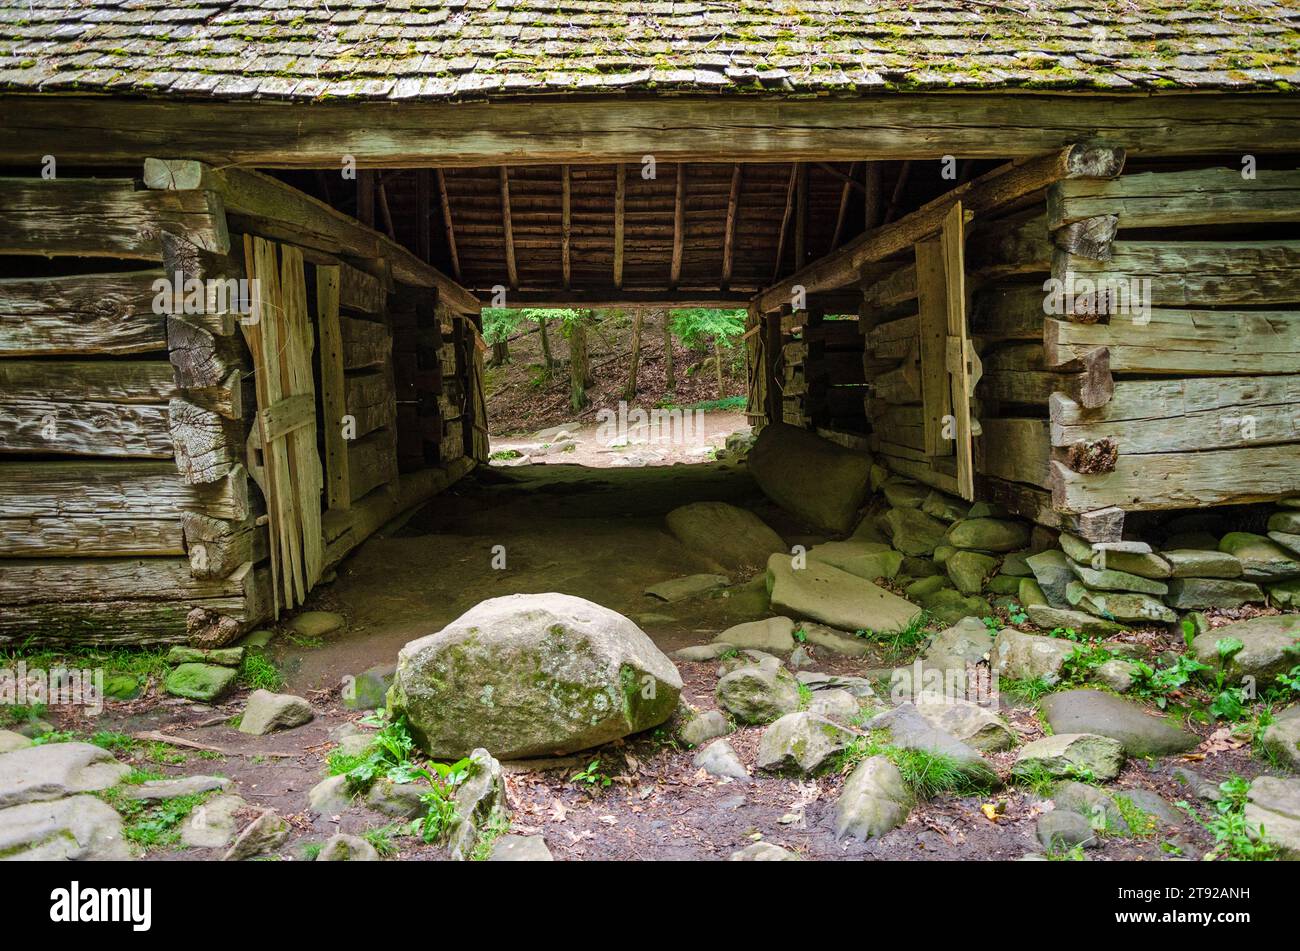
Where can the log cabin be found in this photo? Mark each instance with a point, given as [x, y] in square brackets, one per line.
[1045, 254]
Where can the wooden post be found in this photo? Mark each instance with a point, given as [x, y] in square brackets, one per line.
[447, 224]
[566, 224]
[620, 202]
[729, 232]
[512, 271]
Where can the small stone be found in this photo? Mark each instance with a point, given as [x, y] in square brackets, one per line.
[874, 800]
[1261, 558]
[800, 658]
[520, 848]
[835, 597]
[838, 705]
[347, 848]
[774, 635]
[969, 722]
[944, 507]
[1285, 594]
[78, 828]
[10, 741]
[1143, 564]
[399, 800]
[1030, 594]
[1005, 585]
[330, 796]
[1059, 830]
[904, 495]
[949, 606]
[1077, 549]
[719, 759]
[368, 690]
[267, 712]
[1095, 712]
[1188, 593]
[763, 852]
[212, 824]
[1273, 804]
[966, 642]
[840, 642]
[268, 831]
[206, 683]
[968, 569]
[1021, 656]
[942, 553]
[1195, 563]
[222, 656]
[703, 727]
[908, 729]
[480, 805]
[1051, 619]
[1016, 564]
[758, 693]
[1116, 674]
[1052, 571]
[702, 653]
[801, 743]
[1120, 606]
[174, 788]
[316, 623]
[913, 532]
[691, 586]
[925, 587]
[121, 686]
[1072, 755]
[1112, 580]
[989, 534]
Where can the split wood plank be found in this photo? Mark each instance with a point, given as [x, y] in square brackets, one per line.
[333, 400]
[962, 362]
[84, 428]
[1015, 449]
[933, 328]
[93, 536]
[126, 490]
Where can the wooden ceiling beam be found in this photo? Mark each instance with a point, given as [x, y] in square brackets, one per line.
[785, 219]
[620, 207]
[729, 229]
[679, 225]
[845, 192]
[512, 270]
[447, 224]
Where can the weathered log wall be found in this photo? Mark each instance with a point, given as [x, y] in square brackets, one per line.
[132, 503]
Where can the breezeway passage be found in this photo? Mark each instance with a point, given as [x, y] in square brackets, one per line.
[260, 521]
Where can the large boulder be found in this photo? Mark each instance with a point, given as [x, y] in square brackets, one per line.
[1270, 646]
[1104, 714]
[79, 828]
[735, 538]
[811, 477]
[532, 675]
[835, 597]
[55, 770]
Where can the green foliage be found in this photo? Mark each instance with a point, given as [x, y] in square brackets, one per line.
[506, 454]
[54, 736]
[153, 824]
[311, 851]
[1029, 691]
[496, 826]
[388, 756]
[1083, 660]
[899, 641]
[805, 695]
[1140, 822]
[1232, 834]
[591, 776]
[258, 673]
[700, 326]
[926, 774]
[117, 742]
[994, 624]
[163, 754]
[17, 714]
[439, 801]
[499, 323]
[382, 838]
[1158, 684]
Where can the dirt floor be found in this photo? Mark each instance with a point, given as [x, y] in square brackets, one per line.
[598, 534]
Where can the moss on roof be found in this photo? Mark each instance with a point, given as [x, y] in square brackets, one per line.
[438, 49]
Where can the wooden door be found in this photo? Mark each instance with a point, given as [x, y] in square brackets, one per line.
[282, 341]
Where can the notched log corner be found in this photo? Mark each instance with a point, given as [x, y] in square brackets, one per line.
[1097, 456]
[207, 629]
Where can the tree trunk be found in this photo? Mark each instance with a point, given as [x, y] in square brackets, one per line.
[670, 372]
[501, 353]
[629, 392]
[579, 364]
[717, 353]
[547, 360]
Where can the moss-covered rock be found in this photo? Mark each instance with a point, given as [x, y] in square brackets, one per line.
[206, 683]
[532, 675]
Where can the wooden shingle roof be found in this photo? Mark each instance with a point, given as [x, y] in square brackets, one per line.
[449, 49]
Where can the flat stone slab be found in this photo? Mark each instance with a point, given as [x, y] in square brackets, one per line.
[1197, 593]
[78, 828]
[316, 623]
[841, 642]
[763, 852]
[175, 788]
[1111, 579]
[730, 536]
[1199, 563]
[56, 770]
[869, 560]
[1050, 619]
[1273, 803]
[212, 824]
[1104, 714]
[690, 586]
[520, 848]
[1262, 559]
[842, 600]
[774, 635]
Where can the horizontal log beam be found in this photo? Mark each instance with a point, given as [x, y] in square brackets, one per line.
[984, 194]
[84, 428]
[82, 314]
[89, 537]
[118, 490]
[1205, 196]
[889, 126]
[1176, 480]
[103, 217]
